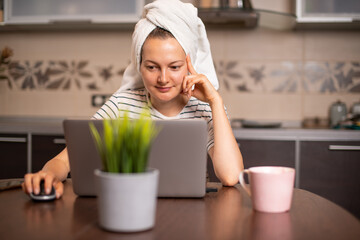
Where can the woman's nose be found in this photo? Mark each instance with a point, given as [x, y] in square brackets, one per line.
[163, 79]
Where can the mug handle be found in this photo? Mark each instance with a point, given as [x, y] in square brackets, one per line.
[242, 181]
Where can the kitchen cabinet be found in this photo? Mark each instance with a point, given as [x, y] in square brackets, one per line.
[15, 149]
[45, 147]
[70, 15]
[262, 153]
[70, 11]
[210, 174]
[267, 153]
[343, 14]
[13, 160]
[331, 170]
[108, 14]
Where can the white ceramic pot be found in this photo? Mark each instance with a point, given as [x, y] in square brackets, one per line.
[127, 202]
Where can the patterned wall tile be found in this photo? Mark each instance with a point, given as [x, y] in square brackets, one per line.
[60, 75]
[275, 77]
[234, 76]
[332, 77]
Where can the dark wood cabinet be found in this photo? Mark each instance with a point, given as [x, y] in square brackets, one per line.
[262, 153]
[210, 174]
[331, 170]
[267, 153]
[14, 153]
[45, 147]
[13, 159]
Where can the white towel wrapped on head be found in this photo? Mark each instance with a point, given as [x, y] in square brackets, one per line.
[182, 21]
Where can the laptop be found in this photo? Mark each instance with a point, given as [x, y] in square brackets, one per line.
[179, 152]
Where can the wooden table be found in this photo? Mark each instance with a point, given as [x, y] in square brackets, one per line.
[225, 214]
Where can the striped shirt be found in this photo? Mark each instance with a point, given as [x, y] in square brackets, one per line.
[135, 100]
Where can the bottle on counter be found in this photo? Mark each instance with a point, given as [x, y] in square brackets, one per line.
[355, 110]
[337, 113]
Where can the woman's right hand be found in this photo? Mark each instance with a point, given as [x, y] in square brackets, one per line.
[31, 183]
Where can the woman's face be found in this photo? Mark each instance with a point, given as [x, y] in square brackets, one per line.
[163, 69]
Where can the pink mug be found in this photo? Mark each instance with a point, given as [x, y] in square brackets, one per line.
[271, 188]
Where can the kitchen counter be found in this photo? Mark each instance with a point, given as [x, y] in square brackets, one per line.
[17, 125]
[54, 126]
[296, 134]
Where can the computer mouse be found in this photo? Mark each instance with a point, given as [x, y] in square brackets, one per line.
[42, 196]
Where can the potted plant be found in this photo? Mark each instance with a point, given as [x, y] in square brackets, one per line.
[126, 187]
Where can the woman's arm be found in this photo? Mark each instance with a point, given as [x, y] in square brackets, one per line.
[54, 172]
[225, 153]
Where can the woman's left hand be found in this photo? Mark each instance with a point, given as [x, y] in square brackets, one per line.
[203, 88]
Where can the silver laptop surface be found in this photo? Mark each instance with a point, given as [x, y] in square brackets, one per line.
[179, 152]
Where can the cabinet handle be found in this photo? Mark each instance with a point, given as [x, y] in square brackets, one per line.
[13, 139]
[61, 21]
[59, 141]
[344, 147]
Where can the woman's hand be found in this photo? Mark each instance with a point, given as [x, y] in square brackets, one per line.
[31, 183]
[203, 88]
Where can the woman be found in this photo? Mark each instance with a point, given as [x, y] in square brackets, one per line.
[162, 77]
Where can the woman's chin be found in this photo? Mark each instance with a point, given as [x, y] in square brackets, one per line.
[166, 97]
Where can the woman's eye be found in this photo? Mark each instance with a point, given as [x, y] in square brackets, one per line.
[175, 67]
[150, 67]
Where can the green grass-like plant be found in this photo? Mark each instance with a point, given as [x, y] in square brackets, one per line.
[125, 144]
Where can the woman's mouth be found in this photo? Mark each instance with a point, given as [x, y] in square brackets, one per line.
[163, 89]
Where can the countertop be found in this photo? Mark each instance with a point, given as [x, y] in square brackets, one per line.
[20, 125]
[296, 134]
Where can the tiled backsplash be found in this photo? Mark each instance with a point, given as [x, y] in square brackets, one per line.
[264, 74]
[342, 77]
[290, 76]
[60, 75]
[274, 77]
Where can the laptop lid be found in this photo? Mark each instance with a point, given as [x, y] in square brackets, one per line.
[179, 152]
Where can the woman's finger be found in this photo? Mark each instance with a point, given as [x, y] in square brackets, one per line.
[28, 183]
[36, 183]
[189, 65]
[59, 188]
[187, 82]
[192, 85]
[48, 183]
[184, 85]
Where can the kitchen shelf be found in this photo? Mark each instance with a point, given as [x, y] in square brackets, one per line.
[229, 17]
